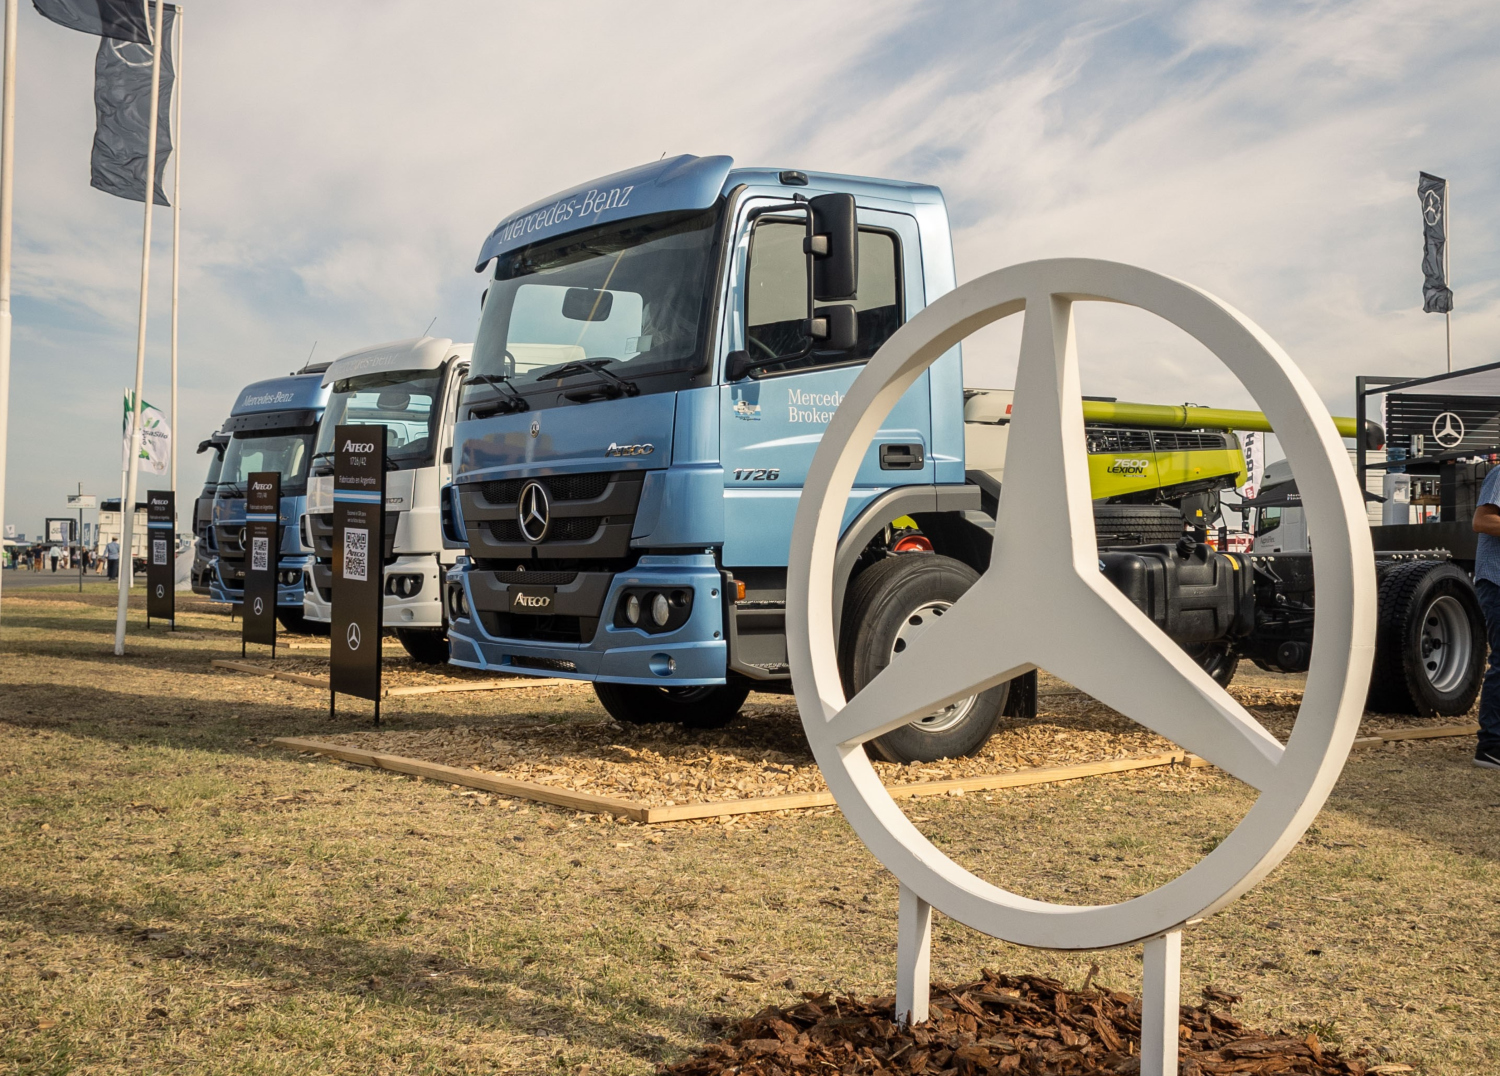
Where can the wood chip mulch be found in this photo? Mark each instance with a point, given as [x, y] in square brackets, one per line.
[1003, 1024]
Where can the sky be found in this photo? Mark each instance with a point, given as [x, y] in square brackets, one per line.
[343, 161]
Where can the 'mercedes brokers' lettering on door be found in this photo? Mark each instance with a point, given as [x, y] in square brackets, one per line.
[812, 407]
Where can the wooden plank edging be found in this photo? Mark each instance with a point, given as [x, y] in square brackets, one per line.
[640, 812]
[392, 692]
[579, 801]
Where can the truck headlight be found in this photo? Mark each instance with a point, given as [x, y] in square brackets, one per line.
[289, 577]
[458, 604]
[653, 611]
[403, 586]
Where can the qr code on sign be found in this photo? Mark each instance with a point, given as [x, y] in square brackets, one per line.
[260, 554]
[356, 553]
[158, 551]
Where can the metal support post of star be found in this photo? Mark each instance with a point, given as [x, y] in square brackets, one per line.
[359, 546]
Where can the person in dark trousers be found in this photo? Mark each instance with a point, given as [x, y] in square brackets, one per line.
[1487, 584]
[112, 554]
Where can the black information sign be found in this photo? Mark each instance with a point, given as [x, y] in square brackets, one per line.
[262, 550]
[161, 556]
[358, 561]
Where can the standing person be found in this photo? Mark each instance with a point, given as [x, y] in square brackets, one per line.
[112, 554]
[1487, 585]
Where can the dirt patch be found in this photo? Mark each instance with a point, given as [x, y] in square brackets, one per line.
[763, 752]
[1004, 1024]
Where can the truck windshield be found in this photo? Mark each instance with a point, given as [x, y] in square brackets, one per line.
[405, 402]
[278, 450]
[633, 292]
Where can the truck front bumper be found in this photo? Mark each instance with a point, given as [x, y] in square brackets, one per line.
[288, 593]
[691, 653]
[422, 609]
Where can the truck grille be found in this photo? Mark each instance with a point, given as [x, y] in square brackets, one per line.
[536, 579]
[561, 487]
[320, 528]
[591, 518]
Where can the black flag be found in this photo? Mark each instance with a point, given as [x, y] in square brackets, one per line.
[1437, 297]
[122, 101]
[123, 20]
[122, 89]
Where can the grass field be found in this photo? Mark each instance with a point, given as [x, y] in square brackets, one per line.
[178, 896]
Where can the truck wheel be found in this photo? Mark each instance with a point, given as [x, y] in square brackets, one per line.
[889, 605]
[426, 645]
[1217, 659]
[1136, 524]
[1429, 641]
[709, 706]
[295, 622]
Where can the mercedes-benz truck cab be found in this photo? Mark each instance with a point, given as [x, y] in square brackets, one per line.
[411, 387]
[271, 428]
[203, 548]
[658, 355]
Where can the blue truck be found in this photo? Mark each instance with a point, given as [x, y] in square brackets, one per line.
[271, 427]
[203, 556]
[658, 354]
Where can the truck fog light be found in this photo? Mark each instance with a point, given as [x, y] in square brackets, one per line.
[661, 610]
[633, 609]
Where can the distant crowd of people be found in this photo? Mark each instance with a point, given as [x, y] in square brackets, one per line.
[40, 557]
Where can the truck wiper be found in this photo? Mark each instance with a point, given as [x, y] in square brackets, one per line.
[617, 387]
[505, 405]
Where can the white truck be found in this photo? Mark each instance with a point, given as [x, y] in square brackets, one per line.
[410, 387]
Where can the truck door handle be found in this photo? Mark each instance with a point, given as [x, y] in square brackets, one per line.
[901, 457]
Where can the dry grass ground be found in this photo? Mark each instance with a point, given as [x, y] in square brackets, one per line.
[177, 896]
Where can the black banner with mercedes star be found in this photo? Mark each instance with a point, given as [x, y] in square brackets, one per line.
[161, 556]
[262, 553]
[358, 563]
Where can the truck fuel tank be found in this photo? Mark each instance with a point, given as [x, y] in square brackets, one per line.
[1191, 592]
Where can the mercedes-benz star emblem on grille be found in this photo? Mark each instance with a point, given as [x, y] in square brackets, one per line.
[536, 427]
[352, 637]
[1448, 429]
[534, 512]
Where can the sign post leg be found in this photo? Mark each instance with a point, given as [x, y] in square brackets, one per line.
[913, 957]
[1160, 998]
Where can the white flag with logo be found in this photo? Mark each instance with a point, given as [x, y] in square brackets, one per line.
[154, 446]
[1255, 463]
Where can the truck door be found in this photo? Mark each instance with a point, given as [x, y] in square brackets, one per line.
[772, 421]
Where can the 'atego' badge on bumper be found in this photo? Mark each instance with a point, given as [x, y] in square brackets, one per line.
[537, 601]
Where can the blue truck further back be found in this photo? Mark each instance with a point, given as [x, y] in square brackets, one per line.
[271, 428]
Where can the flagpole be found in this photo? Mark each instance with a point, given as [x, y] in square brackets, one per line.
[127, 527]
[7, 187]
[176, 229]
[1447, 272]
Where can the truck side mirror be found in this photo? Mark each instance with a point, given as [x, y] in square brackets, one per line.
[835, 328]
[834, 246]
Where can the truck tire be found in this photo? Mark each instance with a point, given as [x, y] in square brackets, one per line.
[429, 646]
[295, 622]
[1219, 660]
[710, 706]
[1429, 641]
[1136, 524]
[888, 605]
